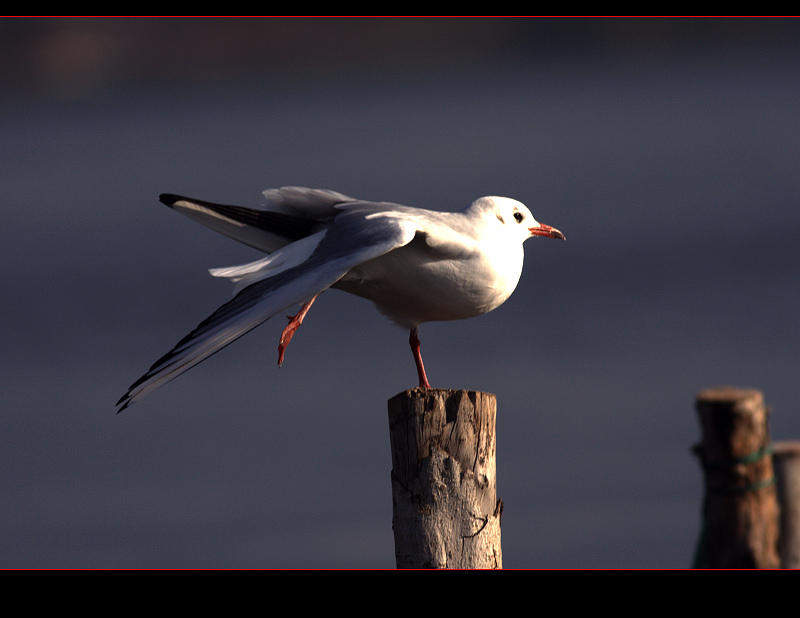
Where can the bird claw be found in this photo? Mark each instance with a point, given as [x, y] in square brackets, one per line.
[286, 337]
[294, 323]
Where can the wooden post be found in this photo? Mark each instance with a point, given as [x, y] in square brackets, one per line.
[786, 459]
[444, 494]
[741, 507]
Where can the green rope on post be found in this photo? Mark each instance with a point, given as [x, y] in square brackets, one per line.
[746, 459]
[700, 560]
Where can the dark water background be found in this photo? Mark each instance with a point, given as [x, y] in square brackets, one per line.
[667, 151]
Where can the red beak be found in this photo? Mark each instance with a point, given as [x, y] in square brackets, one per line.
[546, 230]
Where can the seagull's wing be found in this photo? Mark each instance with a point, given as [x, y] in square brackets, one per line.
[352, 240]
[289, 214]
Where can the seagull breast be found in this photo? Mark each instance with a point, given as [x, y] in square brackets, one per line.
[415, 284]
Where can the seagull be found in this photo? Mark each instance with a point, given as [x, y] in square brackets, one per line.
[415, 265]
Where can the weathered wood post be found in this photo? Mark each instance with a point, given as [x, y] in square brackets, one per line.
[786, 459]
[740, 509]
[444, 493]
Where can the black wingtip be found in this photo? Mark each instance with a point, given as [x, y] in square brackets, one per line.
[123, 400]
[169, 199]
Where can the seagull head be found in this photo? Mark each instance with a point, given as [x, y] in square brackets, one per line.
[513, 217]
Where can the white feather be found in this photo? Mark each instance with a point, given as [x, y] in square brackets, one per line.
[288, 257]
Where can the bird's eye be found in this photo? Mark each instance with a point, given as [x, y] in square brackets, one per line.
[518, 217]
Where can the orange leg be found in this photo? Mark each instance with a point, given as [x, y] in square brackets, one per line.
[414, 341]
[294, 324]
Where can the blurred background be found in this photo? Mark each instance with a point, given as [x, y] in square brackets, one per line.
[667, 150]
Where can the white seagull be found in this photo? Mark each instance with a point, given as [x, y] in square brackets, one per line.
[415, 265]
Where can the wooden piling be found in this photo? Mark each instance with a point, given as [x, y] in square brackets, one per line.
[444, 493]
[740, 509]
[786, 460]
